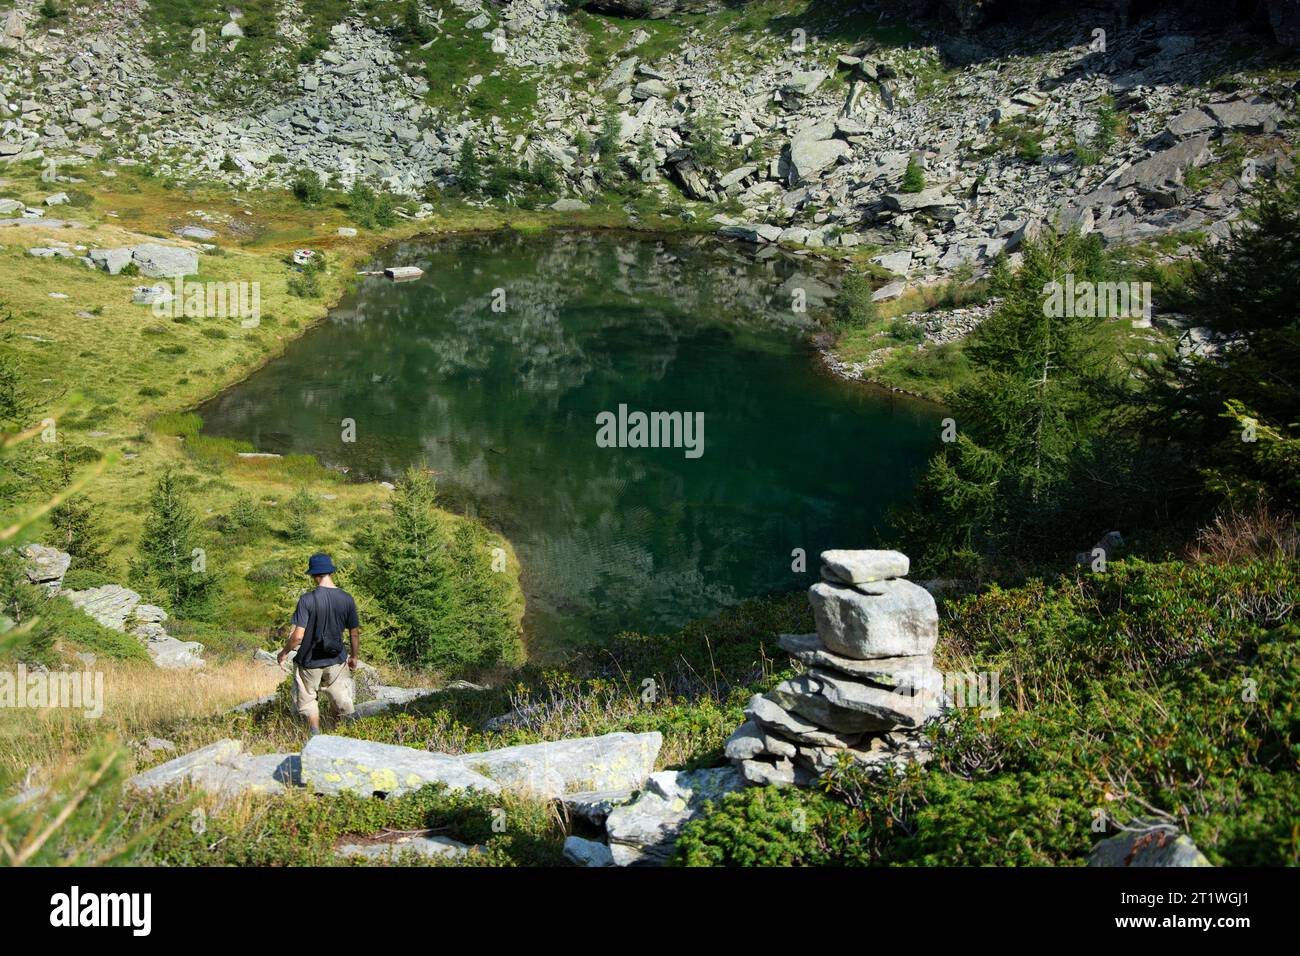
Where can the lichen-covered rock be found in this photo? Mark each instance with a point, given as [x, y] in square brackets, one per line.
[334, 765]
[618, 761]
[646, 830]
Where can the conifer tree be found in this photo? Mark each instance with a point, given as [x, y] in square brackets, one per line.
[1026, 423]
[450, 610]
[167, 558]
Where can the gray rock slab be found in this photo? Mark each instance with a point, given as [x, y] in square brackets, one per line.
[224, 770]
[617, 761]
[334, 765]
[777, 719]
[902, 674]
[158, 261]
[863, 567]
[583, 852]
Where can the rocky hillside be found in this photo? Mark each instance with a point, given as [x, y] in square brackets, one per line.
[781, 121]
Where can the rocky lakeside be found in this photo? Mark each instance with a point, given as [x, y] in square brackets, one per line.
[1133, 124]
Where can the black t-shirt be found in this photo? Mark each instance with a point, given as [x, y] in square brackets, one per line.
[324, 614]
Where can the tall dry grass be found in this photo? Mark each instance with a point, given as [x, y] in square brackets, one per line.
[140, 701]
[1239, 536]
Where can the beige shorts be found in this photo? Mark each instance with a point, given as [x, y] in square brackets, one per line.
[335, 682]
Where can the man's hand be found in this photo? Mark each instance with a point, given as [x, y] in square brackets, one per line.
[279, 658]
[352, 662]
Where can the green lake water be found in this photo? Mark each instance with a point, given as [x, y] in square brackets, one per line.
[503, 406]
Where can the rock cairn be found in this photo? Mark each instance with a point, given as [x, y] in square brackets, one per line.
[870, 681]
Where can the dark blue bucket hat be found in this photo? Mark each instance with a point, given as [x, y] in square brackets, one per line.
[320, 564]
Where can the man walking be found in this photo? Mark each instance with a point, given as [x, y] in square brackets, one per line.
[322, 665]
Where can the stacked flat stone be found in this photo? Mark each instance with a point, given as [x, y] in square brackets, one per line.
[870, 681]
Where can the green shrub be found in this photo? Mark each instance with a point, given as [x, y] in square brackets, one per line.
[853, 307]
[82, 579]
[705, 141]
[370, 209]
[767, 826]
[307, 187]
[300, 831]
[913, 177]
[305, 283]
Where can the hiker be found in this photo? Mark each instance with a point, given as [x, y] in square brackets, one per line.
[322, 664]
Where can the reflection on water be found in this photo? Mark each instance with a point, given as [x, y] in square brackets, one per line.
[503, 405]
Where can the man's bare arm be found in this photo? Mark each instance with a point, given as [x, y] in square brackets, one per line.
[356, 647]
[295, 638]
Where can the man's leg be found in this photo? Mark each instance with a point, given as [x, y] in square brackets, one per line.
[336, 684]
[306, 683]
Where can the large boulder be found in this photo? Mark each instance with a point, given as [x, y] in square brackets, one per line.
[1246, 117]
[886, 619]
[224, 770]
[112, 261]
[1153, 844]
[334, 765]
[169, 652]
[646, 830]
[805, 83]
[1161, 175]
[45, 566]
[158, 261]
[933, 202]
[809, 156]
[618, 761]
